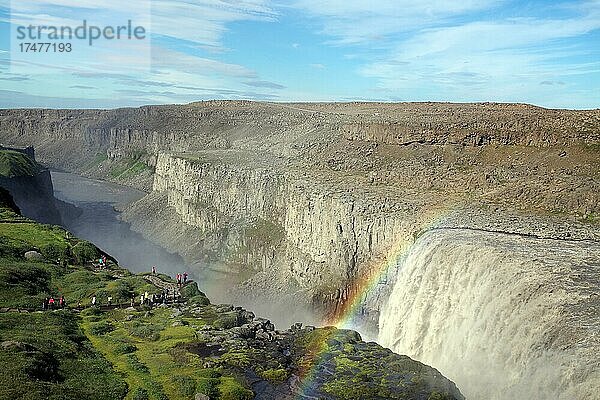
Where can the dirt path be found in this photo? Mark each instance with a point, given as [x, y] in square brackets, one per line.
[153, 279]
[162, 284]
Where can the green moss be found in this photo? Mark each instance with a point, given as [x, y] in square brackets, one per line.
[275, 375]
[209, 387]
[101, 328]
[23, 284]
[136, 365]
[98, 159]
[131, 166]
[199, 300]
[226, 321]
[591, 218]
[343, 390]
[59, 363]
[190, 290]
[33, 236]
[125, 348]
[14, 163]
[140, 394]
[144, 330]
[438, 396]
[84, 252]
[185, 385]
[230, 389]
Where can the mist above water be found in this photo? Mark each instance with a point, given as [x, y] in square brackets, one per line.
[97, 221]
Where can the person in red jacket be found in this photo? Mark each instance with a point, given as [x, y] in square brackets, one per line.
[51, 303]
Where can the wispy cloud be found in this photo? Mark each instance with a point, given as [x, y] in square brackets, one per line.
[461, 50]
[359, 21]
[264, 84]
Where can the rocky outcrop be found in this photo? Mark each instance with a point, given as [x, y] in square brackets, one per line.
[29, 184]
[477, 125]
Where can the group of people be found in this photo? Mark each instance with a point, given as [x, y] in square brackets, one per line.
[151, 299]
[182, 279]
[101, 262]
[50, 303]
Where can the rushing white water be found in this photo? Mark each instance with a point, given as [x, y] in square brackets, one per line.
[505, 317]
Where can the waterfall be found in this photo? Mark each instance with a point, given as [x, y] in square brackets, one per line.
[504, 316]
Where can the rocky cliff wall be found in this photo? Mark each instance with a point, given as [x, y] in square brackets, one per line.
[29, 184]
[311, 236]
[230, 124]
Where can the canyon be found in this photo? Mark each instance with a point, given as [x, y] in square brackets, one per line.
[463, 235]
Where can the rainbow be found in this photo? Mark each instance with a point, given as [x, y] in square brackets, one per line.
[345, 316]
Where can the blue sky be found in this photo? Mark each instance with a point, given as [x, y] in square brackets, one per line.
[541, 52]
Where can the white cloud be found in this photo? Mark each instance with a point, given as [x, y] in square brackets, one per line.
[481, 53]
[359, 21]
[164, 59]
[442, 50]
[205, 22]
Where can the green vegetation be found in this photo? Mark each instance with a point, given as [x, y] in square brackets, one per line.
[131, 166]
[121, 168]
[31, 236]
[275, 375]
[14, 163]
[57, 360]
[591, 218]
[592, 147]
[97, 160]
[46, 356]
[84, 252]
[152, 357]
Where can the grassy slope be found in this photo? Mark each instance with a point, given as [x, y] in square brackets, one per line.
[57, 362]
[14, 163]
[153, 370]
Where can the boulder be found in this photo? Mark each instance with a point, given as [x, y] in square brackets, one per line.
[34, 256]
[13, 345]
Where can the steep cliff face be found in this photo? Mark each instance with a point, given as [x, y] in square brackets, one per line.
[29, 184]
[280, 231]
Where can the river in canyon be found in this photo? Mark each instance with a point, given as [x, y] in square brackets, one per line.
[97, 220]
